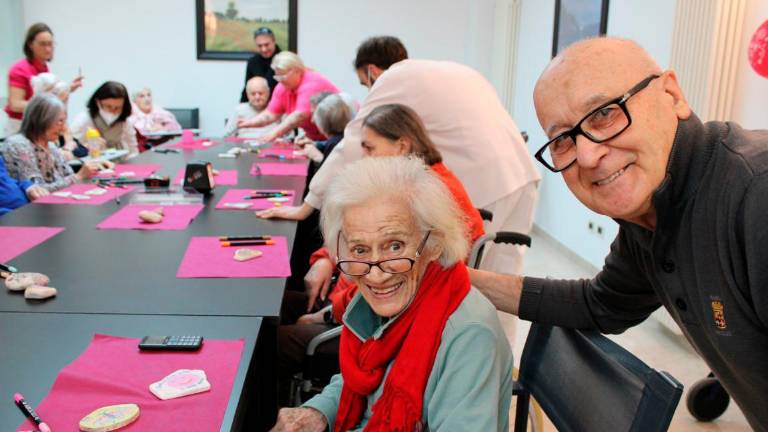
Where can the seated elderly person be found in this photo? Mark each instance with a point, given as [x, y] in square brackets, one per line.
[47, 82]
[257, 91]
[108, 111]
[389, 130]
[411, 336]
[331, 114]
[147, 117]
[33, 153]
[290, 101]
[15, 193]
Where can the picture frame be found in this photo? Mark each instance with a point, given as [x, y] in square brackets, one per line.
[578, 19]
[225, 28]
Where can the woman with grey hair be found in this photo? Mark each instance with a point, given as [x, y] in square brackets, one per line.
[33, 154]
[412, 332]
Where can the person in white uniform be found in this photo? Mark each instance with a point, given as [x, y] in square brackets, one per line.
[465, 119]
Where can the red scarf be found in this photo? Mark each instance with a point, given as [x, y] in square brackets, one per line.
[411, 342]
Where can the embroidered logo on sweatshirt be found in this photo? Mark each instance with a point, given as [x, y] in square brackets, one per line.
[718, 314]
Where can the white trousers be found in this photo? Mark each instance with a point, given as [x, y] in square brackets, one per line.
[513, 212]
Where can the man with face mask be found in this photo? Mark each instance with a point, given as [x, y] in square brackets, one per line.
[463, 116]
[260, 64]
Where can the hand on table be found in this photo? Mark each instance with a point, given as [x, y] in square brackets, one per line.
[317, 281]
[300, 420]
[89, 169]
[34, 192]
[288, 212]
[246, 123]
[267, 137]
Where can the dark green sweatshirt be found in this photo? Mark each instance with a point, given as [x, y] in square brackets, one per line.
[706, 262]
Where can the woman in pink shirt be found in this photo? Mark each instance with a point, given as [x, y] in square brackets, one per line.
[38, 51]
[296, 85]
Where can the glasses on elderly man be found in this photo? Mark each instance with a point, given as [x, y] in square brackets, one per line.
[391, 266]
[603, 123]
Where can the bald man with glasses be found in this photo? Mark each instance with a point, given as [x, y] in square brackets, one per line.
[690, 201]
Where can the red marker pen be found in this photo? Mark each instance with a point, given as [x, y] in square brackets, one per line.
[30, 413]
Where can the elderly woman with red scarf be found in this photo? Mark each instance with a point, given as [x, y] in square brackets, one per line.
[420, 348]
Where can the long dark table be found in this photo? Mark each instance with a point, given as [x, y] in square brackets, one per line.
[35, 347]
[132, 272]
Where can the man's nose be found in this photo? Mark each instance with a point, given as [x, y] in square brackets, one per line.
[588, 152]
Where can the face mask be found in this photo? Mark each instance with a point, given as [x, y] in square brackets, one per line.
[108, 117]
[371, 79]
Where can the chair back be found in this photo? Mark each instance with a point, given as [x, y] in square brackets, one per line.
[586, 382]
[188, 118]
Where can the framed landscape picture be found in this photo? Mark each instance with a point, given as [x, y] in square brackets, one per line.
[578, 19]
[225, 27]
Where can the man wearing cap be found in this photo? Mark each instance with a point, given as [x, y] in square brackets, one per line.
[259, 64]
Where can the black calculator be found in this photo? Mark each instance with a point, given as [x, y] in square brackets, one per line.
[171, 343]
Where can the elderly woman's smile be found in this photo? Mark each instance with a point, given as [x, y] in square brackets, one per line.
[383, 230]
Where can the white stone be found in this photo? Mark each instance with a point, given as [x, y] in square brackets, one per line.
[39, 292]
[62, 194]
[20, 281]
[183, 382]
[80, 197]
[246, 254]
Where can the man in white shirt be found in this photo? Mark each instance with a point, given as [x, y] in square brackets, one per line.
[257, 92]
[463, 116]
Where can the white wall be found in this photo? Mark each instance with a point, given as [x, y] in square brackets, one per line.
[330, 31]
[152, 43]
[559, 213]
[11, 39]
[751, 89]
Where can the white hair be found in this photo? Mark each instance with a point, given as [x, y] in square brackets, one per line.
[401, 178]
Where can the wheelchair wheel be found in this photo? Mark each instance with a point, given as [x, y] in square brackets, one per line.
[707, 399]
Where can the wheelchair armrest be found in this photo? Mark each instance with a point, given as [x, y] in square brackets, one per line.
[512, 238]
[322, 338]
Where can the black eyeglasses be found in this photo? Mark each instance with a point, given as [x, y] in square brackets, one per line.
[602, 124]
[391, 266]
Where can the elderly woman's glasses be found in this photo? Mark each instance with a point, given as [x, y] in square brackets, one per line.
[391, 266]
[602, 124]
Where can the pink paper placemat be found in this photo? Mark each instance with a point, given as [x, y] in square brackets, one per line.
[112, 192]
[236, 196]
[205, 258]
[282, 153]
[15, 240]
[224, 178]
[175, 217]
[279, 169]
[139, 171]
[113, 371]
[195, 144]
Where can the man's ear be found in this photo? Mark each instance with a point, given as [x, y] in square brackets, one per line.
[672, 88]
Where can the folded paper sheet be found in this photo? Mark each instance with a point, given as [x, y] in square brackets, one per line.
[175, 217]
[15, 240]
[205, 258]
[234, 199]
[113, 371]
[279, 169]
